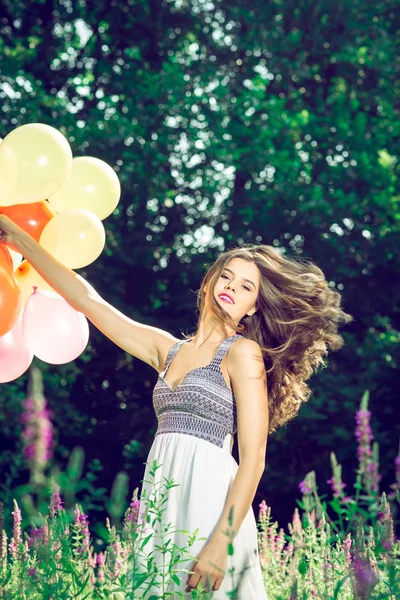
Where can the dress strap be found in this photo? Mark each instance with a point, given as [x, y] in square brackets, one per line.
[172, 352]
[223, 349]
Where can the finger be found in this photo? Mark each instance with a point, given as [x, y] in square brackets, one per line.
[192, 582]
[217, 585]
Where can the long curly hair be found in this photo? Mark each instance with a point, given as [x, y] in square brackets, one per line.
[295, 325]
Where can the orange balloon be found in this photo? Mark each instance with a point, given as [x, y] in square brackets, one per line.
[5, 258]
[32, 218]
[10, 299]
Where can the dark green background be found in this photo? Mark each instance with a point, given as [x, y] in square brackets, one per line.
[263, 122]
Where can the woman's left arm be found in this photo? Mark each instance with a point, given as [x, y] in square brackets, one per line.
[247, 372]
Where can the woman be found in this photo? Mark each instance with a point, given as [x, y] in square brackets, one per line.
[265, 322]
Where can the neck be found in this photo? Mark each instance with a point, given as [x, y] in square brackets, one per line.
[211, 331]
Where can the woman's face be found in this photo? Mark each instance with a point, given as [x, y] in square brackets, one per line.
[240, 280]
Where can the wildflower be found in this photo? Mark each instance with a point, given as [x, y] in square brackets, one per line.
[32, 572]
[38, 431]
[368, 458]
[364, 434]
[133, 511]
[82, 527]
[297, 525]
[91, 560]
[305, 487]
[346, 547]
[46, 533]
[385, 520]
[56, 503]
[3, 543]
[35, 537]
[337, 486]
[100, 564]
[17, 535]
[364, 575]
[396, 485]
[263, 513]
[1, 529]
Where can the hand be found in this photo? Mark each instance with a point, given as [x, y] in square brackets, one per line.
[210, 564]
[9, 231]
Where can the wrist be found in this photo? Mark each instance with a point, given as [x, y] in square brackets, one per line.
[219, 538]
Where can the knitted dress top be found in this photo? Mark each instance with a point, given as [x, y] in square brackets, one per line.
[202, 404]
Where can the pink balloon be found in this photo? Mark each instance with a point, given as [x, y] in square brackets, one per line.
[54, 331]
[15, 356]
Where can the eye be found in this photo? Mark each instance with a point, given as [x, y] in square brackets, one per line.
[225, 276]
[247, 288]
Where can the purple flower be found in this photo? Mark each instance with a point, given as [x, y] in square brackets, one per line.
[56, 503]
[337, 486]
[368, 467]
[346, 546]
[134, 511]
[32, 572]
[305, 487]
[364, 435]
[364, 575]
[82, 527]
[37, 434]
[17, 535]
[35, 537]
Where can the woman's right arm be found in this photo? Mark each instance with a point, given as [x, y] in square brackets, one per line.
[149, 344]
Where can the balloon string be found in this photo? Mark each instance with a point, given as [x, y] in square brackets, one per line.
[34, 289]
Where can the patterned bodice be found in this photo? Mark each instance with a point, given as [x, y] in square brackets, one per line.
[202, 404]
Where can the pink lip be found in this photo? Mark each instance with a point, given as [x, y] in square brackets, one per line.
[224, 294]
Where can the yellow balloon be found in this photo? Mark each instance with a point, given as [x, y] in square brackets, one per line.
[76, 237]
[8, 175]
[35, 160]
[28, 278]
[92, 184]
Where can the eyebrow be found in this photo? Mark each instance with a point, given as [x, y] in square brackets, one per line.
[243, 278]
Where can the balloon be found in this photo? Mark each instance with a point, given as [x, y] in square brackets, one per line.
[32, 218]
[6, 258]
[16, 258]
[36, 160]
[28, 278]
[8, 173]
[54, 331]
[10, 295]
[15, 356]
[76, 237]
[92, 184]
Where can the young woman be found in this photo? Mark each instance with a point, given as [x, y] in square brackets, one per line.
[265, 322]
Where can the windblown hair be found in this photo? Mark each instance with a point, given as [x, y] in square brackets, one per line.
[295, 325]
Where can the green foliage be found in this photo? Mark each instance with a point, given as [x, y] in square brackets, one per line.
[227, 123]
[354, 556]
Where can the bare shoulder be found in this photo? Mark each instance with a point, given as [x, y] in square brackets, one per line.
[245, 357]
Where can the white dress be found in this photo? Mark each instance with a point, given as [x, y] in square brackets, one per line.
[193, 445]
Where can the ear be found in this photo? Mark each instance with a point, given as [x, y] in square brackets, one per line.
[205, 287]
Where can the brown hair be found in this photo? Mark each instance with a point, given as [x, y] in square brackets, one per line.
[297, 320]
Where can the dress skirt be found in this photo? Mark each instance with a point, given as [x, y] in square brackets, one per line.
[203, 473]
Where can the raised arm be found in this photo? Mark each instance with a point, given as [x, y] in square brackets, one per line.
[149, 344]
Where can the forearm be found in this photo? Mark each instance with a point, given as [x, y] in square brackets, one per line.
[62, 279]
[241, 496]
